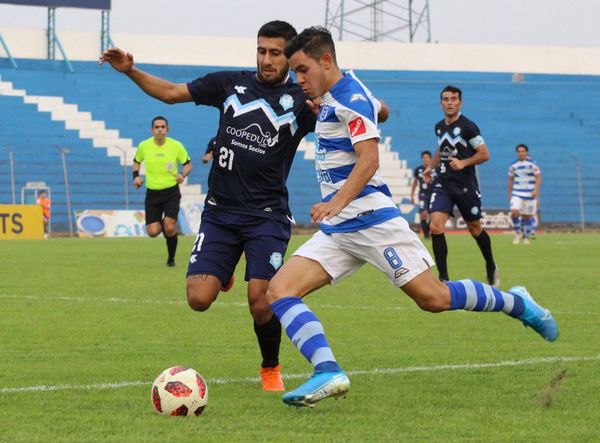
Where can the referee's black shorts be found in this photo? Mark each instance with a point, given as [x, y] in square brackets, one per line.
[165, 201]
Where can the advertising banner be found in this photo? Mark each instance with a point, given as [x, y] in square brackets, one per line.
[21, 221]
[108, 223]
[189, 217]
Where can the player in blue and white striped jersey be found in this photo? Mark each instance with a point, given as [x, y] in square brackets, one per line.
[524, 180]
[359, 224]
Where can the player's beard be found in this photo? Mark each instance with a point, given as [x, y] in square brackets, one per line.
[272, 81]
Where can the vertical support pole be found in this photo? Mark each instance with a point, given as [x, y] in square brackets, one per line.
[63, 153]
[50, 34]
[580, 195]
[11, 164]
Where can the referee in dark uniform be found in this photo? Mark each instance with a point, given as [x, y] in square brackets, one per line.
[162, 155]
[460, 148]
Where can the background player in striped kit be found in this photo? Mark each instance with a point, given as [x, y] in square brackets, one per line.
[524, 181]
[360, 223]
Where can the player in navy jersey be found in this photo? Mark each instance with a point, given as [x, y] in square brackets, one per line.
[263, 118]
[460, 148]
[425, 184]
[360, 223]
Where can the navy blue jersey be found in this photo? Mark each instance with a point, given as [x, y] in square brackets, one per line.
[260, 127]
[459, 139]
[424, 187]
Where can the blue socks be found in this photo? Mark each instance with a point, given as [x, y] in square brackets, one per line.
[306, 333]
[472, 295]
[517, 224]
[528, 227]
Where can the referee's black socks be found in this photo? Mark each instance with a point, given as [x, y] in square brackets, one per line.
[171, 246]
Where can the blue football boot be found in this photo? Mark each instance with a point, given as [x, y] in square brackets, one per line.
[321, 385]
[535, 316]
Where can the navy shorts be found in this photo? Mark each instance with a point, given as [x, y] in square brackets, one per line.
[468, 202]
[224, 236]
[424, 198]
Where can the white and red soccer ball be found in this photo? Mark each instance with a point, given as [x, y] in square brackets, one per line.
[179, 391]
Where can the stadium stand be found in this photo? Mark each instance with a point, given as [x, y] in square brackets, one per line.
[99, 115]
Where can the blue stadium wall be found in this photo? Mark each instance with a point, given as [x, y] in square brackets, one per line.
[556, 115]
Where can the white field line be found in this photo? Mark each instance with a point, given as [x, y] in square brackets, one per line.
[171, 302]
[220, 303]
[358, 372]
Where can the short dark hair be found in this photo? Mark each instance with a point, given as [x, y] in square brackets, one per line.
[451, 88]
[426, 152]
[159, 117]
[277, 29]
[313, 41]
[522, 145]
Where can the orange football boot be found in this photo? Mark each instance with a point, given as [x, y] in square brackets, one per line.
[271, 379]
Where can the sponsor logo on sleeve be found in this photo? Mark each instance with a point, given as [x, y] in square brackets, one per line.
[357, 127]
[356, 97]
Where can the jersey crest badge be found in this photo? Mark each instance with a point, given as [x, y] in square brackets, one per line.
[286, 101]
[276, 260]
[456, 131]
[357, 127]
[240, 89]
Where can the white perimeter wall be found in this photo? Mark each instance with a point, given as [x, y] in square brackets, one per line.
[240, 52]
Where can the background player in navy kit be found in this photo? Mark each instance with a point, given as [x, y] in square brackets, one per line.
[425, 184]
[460, 148]
[263, 118]
[210, 150]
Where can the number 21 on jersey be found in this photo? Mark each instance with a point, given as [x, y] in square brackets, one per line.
[226, 158]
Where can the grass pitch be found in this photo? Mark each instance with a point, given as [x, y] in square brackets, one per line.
[86, 325]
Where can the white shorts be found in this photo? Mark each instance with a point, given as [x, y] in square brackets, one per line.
[392, 247]
[524, 206]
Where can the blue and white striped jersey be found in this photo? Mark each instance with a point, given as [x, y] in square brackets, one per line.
[349, 115]
[523, 173]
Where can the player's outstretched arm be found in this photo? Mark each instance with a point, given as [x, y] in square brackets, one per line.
[156, 87]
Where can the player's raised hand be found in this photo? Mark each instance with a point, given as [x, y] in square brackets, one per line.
[120, 60]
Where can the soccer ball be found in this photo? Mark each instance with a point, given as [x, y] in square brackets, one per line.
[179, 391]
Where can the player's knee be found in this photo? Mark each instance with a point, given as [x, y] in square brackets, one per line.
[261, 312]
[475, 229]
[436, 228]
[276, 290]
[153, 232]
[433, 297]
[431, 303]
[197, 298]
[170, 231]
